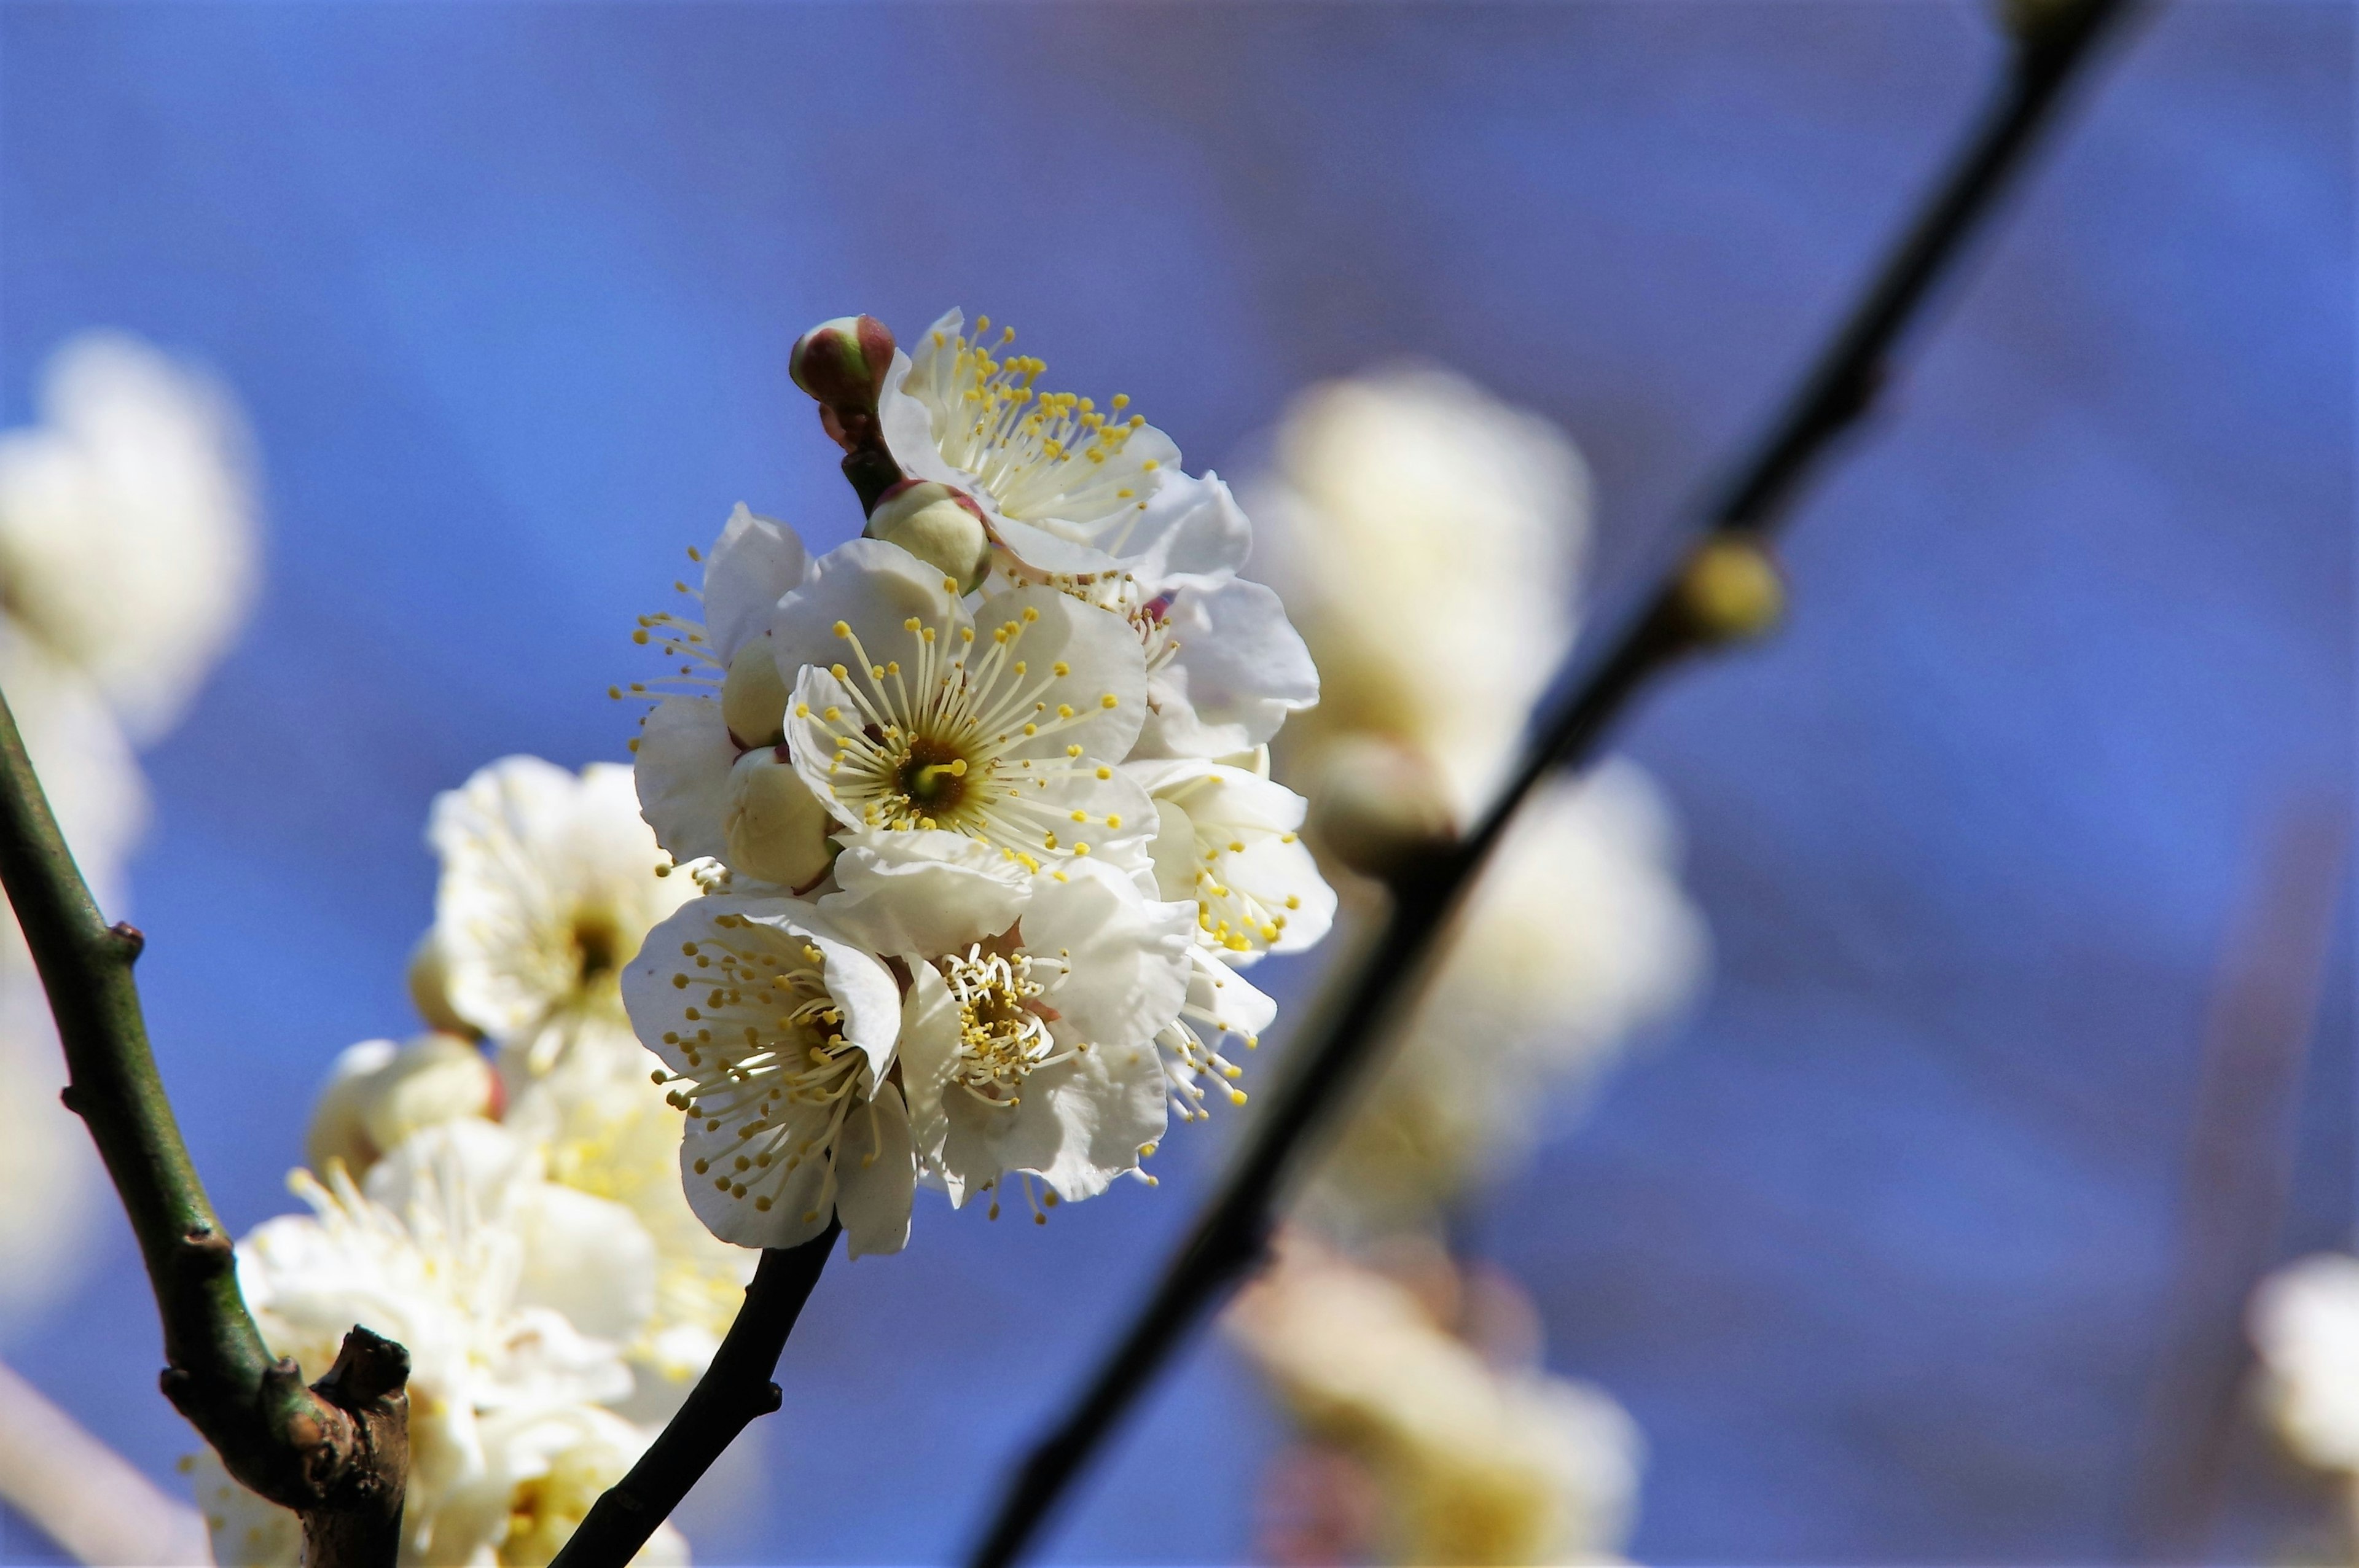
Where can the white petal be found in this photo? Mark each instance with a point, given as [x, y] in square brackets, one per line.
[928, 1051]
[753, 563]
[1103, 660]
[682, 770]
[1239, 670]
[585, 1257]
[924, 892]
[1079, 1124]
[872, 588]
[1128, 956]
[877, 1176]
[1192, 532]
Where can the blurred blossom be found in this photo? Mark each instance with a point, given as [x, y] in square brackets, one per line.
[1425, 538]
[1576, 938]
[1471, 1461]
[129, 541]
[127, 535]
[548, 888]
[514, 1297]
[1428, 540]
[2304, 1322]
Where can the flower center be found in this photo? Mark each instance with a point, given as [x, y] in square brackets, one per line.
[925, 744]
[1039, 454]
[1003, 1026]
[932, 774]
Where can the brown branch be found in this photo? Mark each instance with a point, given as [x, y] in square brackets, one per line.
[337, 1452]
[1720, 587]
[734, 1391]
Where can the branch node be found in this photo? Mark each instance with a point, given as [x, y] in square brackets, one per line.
[129, 938]
[74, 1100]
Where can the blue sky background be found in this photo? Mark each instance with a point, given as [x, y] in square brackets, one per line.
[1875, 1248]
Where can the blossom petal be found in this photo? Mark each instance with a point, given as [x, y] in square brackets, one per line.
[1127, 956]
[876, 1173]
[682, 771]
[755, 563]
[924, 892]
[1239, 670]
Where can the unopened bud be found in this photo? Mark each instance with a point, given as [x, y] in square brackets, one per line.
[1730, 590]
[842, 363]
[1379, 804]
[774, 827]
[941, 526]
[754, 696]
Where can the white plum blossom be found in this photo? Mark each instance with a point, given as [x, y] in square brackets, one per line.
[378, 1093]
[129, 539]
[1575, 940]
[459, 1252]
[549, 884]
[1018, 789]
[1033, 1051]
[777, 1034]
[1228, 841]
[1064, 486]
[1473, 1462]
[1426, 538]
[1002, 724]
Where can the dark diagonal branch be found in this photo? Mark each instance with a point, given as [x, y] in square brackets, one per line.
[336, 1453]
[734, 1391]
[1722, 587]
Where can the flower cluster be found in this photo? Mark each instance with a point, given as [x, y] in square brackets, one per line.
[129, 528]
[983, 800]
[1413, 486]
[500, 1194]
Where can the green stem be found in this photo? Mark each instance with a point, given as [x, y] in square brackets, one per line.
[338, 1453]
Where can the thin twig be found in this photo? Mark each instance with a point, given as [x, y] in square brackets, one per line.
[337, 1452]
[734, 1390]
[1682, 616]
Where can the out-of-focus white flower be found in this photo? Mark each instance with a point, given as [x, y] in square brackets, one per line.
[487, 1273]
[128, 535]
[779, 1034]
[379, 1093]
[1475, 1463]
[2304, 1322]
[128, 531]
[1426, 537]
[1031, 1048]
[548, 885]
[911, 714]
[1576, 938]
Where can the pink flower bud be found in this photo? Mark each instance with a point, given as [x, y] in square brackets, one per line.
[842, 363]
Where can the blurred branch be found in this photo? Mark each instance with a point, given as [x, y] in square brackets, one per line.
[2239, 1171]
[734, 1391]
[1721, 588]
[83, 1495]
[337, 1452]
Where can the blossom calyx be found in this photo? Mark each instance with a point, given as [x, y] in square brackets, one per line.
[842, 363]
[939, 525]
